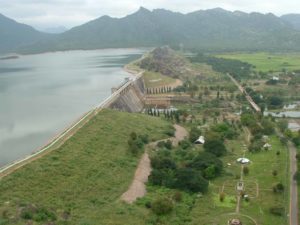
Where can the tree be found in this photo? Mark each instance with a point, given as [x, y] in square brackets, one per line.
[208, 164]
[215, 147]
[190, 180]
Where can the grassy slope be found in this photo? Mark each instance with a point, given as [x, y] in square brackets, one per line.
[153, 80]
[85, 176]
[265, 61]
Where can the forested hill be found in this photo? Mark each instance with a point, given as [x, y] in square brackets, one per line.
[293, 19]
[14, 35]
[214, 29]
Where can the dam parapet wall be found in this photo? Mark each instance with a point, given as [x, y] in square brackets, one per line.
[128, 97]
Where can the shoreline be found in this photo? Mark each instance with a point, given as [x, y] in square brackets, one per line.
[68, 132]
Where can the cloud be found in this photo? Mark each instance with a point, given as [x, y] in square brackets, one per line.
[69, 13]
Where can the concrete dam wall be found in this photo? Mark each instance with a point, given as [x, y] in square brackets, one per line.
[129, 97]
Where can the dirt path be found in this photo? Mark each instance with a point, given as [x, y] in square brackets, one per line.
[137, 188]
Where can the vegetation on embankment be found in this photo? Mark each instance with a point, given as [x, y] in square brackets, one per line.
[82, 181]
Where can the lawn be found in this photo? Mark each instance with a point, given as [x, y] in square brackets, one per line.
[268, 61]
[82, 181]
[153, 80]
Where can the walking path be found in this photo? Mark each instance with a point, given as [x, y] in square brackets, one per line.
[137, 188]
[248, 97]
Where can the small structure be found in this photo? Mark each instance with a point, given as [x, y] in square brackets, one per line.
[200, 140]
[265, 138]
[240, 186]
[243, 160]
[275, 78]
[234, 222]
[267, 146]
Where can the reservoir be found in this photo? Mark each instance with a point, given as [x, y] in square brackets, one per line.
[41, 95]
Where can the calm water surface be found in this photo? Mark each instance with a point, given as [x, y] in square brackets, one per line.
[42, 94]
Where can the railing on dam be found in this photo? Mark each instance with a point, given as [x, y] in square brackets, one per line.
[119, 91]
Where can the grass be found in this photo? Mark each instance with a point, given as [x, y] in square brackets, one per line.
[85, 177]
[212, 211]
[266, 61]
[153, 80]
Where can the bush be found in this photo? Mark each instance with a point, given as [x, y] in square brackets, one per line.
[222, 197]
[162, 206]
[277, 210]
[194, 134]
[185, 144]
[278, 188]
[274, 173]
[177, 196]
[246, 170]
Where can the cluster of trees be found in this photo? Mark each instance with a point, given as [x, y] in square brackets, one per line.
[158, 90]
[258, 125]
[136, 143]
[168, 114]
[236, 68]
[225, 130]
[188, 87]
[187, 174]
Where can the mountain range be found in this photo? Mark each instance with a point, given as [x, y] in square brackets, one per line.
[214, 29]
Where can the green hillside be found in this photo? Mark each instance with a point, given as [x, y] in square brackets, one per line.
[214, 29]
[82, 181]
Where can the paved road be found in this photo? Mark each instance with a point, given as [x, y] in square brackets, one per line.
[293, 186]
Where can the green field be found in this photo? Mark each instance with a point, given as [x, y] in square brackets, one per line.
[268, 61]
[153, 80]
[82, 181]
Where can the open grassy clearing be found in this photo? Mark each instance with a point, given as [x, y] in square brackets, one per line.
[268, 61]
[153, 80]
[82, 181]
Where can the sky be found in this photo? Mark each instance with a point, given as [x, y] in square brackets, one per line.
[43, 14]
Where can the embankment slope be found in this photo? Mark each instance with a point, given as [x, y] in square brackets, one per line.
[81, 182]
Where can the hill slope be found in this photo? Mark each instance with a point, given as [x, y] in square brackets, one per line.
[214, 29]
[14, 35]
[293, 19]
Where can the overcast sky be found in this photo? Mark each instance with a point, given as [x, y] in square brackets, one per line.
[52, 13]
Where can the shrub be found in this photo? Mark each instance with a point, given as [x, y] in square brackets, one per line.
[277, 188]
[177, 196]
[185, 144]
[274, 173]
[277, 210]
[194, 134]
[162, 206]
[222, 197]
[246, 170]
